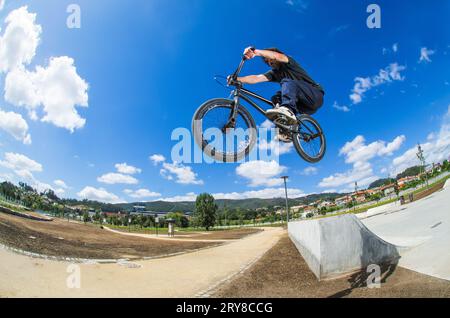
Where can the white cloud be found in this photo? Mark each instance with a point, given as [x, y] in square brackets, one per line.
[342, 108]
[157, 159]
[395, 47]
[2, 4]
[309, 171]
[267, 124]
[24, 167]
[15, 125]
[98, 194]
[425, 55]
[363, 174]
[358, 154]
[19, 41]
[268, 193]
[61, 184]
[275, 147]
[338, 29]
[59, 192]
[20, 164]
[436, 149]
[181, 173]
[299, 5]
[127, 169]
[188, 197]
[142, 194]
[261, 173]
[57, 88]
[364, 84]
[117, 178]
[357, 150]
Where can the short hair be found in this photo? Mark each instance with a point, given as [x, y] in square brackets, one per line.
[273, 49]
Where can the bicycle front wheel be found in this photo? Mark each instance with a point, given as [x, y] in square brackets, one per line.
[218, 136]
[309, 140]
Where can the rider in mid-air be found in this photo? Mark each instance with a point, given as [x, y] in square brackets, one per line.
[299, 92]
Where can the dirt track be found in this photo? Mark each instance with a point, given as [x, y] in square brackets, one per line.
[185, 275]
[61, 238]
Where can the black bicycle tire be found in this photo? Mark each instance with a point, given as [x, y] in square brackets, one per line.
[298, 146]
[198, 132]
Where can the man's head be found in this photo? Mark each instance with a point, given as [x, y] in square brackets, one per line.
[274, 64]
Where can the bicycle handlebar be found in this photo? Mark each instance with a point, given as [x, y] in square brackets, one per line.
[238, 70]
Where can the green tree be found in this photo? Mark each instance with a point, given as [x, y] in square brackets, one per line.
[205, 211]
[445, 165]
[86, 217]
[180, 219]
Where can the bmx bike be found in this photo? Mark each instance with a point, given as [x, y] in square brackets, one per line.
[228, 115]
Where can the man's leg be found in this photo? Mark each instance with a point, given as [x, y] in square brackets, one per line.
[287, 108]
[289, 94]
[310, 99]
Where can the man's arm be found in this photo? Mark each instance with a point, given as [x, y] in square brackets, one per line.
[253, 79]
[251, 53]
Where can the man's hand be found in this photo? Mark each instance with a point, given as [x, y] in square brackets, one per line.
[232, 81]
[249, 53]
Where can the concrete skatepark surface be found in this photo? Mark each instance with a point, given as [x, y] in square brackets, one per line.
[417, 234]
[422, 226]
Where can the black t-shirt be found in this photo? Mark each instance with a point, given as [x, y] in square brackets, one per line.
[291, 70]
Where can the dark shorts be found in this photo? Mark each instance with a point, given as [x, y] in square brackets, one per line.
[300, 96]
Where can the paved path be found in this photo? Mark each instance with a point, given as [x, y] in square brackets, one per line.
[179, 276]
[165, 237]
[424, 227]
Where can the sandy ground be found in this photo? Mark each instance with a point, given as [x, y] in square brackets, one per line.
[72, 239]
[282, 272]
[185, 275]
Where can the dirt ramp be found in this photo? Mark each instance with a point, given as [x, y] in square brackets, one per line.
[340, 245]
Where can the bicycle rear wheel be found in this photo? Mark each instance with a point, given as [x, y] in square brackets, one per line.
[218, 137]
[309, 141]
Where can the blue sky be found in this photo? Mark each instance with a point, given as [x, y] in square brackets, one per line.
[77, 103]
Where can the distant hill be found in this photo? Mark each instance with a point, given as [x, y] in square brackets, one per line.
[412, 171]
[245, 204]
[381, 182]
[46, 199]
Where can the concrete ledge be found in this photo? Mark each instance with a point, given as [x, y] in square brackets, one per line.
[337, 246]
[447, 184]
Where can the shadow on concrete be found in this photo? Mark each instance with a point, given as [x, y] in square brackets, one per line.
[359, 279]
[370, 256]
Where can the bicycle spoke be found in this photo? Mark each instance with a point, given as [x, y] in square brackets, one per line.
[218, 118]
[310, 139]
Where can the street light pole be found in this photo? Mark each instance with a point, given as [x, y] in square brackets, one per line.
[285, 190]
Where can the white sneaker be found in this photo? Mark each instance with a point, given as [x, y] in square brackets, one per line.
[282, 111]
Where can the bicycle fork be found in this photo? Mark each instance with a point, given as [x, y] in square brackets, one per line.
[231, 123]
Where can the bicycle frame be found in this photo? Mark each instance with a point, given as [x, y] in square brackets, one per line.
[246, 95]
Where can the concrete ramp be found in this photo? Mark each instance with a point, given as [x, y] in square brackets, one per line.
[447, 184]
[336, 246]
